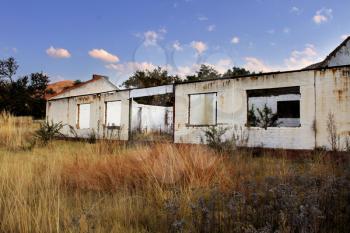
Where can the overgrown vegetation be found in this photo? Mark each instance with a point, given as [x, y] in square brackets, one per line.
[48, 131]
[226, 140]
[114, 187]
[264, 118]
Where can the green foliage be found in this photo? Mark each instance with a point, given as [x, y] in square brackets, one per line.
[48, 131]
[236, 71]
[265, 118]
[205, 72]
[252, 118]
[24, 96]
[216, 139]
[152, 78]
[8, 68]
[156, 77]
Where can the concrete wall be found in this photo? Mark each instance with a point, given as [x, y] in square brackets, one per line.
[65, 111]
[330, 87]
[321, 92]
[333, 96]
[232, 110]
[342, 57]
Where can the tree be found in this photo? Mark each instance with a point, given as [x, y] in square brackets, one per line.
[205, 72]
[24, 96]
[8, 68]
[236, 71]
[156, 77]
[37, 91]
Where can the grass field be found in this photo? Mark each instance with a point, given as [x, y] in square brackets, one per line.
[70, 186]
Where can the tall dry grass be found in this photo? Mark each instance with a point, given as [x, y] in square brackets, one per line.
[113, 187]
[16, 132]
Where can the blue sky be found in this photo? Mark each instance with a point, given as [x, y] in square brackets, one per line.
[74, 39]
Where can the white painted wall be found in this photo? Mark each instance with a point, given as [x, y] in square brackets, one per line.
[65, 111]
[232, 107]
[323, 91]
[150, 118]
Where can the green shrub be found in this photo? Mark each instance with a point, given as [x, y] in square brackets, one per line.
[48, 131]
[216, 139]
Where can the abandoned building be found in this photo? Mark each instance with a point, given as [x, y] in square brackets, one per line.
[290, 110]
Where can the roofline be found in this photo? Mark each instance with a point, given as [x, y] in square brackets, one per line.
[94, 79]
[209, 80]
[335, 51]
[264, 74]
[105, 92]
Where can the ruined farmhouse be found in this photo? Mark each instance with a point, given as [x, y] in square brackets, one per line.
[303, 102]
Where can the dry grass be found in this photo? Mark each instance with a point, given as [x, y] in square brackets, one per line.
[112, 187]
[15, 132]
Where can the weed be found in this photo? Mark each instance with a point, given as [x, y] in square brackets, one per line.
[48, 131]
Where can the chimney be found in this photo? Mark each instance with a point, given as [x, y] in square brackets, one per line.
[97, 76]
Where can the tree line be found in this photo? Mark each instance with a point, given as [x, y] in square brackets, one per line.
[159, 76]
[22, 96]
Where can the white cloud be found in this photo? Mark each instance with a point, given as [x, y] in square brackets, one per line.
[222, 65]
[151, 38]
[177, 46]
[235, 40]
[211, 28]
[295, 10]
[286, 30]
[323, 15]
[130, 67]
[256, 65]
[103, 55]
[296, 60]
[183, 71]
[303, 58]
[58, 52]
[163, 30]
[202, 18]
[343, 37]
[199, 46]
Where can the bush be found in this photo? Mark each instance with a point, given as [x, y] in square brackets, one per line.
[48, 131]
[215, 138]
[265, 118]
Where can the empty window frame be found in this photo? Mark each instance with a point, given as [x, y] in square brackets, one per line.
[202, 109]
[288, 109]
[113, 114]
[282, 107]
[83, 116]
